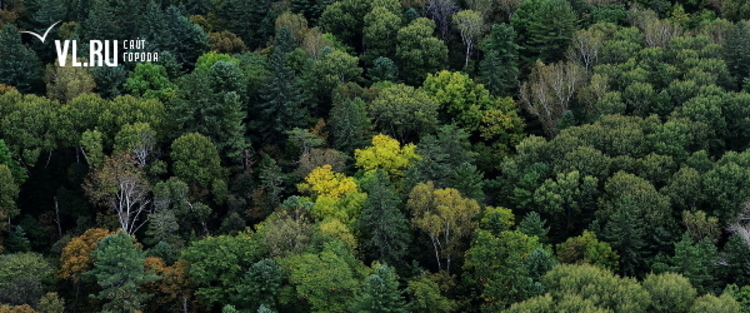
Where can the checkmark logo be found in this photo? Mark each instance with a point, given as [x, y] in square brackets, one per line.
[42, 38]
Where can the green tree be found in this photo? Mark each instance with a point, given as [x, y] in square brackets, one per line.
[349, 124]
[65, 83]
[696, 260]
[150, 80]
[739, 38]
[380, 293]
[260, 286]
[328, 280]
[568, 199]
[544, 28]
[21, 277]
[384, 229]
[380, 29]
[498, 70]
[212, 103]
[670, 292]
[587, 249]
[119, 271]
[404, 112]
[19, 65]
[196, 162]
[710, 303]
[418, 52]
[495, 261]
[169, 30]
[282, 97]
[217, 265]
[470, 25]
[8, 195]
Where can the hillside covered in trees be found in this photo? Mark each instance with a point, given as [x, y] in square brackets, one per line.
[400, 156]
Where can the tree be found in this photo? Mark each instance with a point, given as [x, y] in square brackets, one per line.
[169, 30]
[470, 25]
[418, 52]
[350, 126]
[65, 83]
[587, 249]
[150, 81]
[544, 28]
[212, 102]
[384, 229]
[498, 70]
[328, 280]
[19, 65]
[76, 255]
[21, 276]
[549, 90]
[386, 154]
[670, 292]
[120, 185]
[380, 293]
[441, 11]
[19, 173]
[696, 260]
[282, 94]
[710, 303]
[8, 195]
[739, 38]
[138, 139]
[260, 286]
[496, 260]
[445, 216]
[217, 265]
[403, 111]
[427, 295]
[568, 199]
[380, 29]
[196, 162]
[51, 303]
[119, 271]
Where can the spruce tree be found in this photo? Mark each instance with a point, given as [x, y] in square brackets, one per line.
[119, 271]
[19, 65]
[545, 28]
[282, 108]
[380, 294]
[385, 230]
[350, 125]
[498, 70]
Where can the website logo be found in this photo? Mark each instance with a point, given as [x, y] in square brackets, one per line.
[101, 52]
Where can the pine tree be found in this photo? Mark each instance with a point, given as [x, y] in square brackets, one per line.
[545, 27]
[350, 125]
[19, 65]
[384, 228]
[738, 42]
[119, 271]
[283, 99]
[260, 286]
[498, 70]
[380, 294]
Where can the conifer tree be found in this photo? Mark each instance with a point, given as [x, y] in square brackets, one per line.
[384, 228]
[380, 294]
[119, 271]
[19, 65]
[498, 70]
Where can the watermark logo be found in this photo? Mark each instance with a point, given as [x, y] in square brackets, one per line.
[42, 38]
[101, 52]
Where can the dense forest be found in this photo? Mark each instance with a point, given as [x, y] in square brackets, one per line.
[399, 156]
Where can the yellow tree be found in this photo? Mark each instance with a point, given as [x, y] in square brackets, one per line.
[445, 216]
[388, 155]
[76, 255]
[336, 195]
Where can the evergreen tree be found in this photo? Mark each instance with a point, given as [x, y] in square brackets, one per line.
[383, 69]
[498, 70]
[119, 271]
[380, 294]
[545, 27]
[282, 108]
[260, 286]
[350, 125]
[109, 80]
[738, 62]
[385, 230]
[210, 103]
[19, 65]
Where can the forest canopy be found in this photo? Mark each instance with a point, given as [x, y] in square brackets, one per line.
[402, 156]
